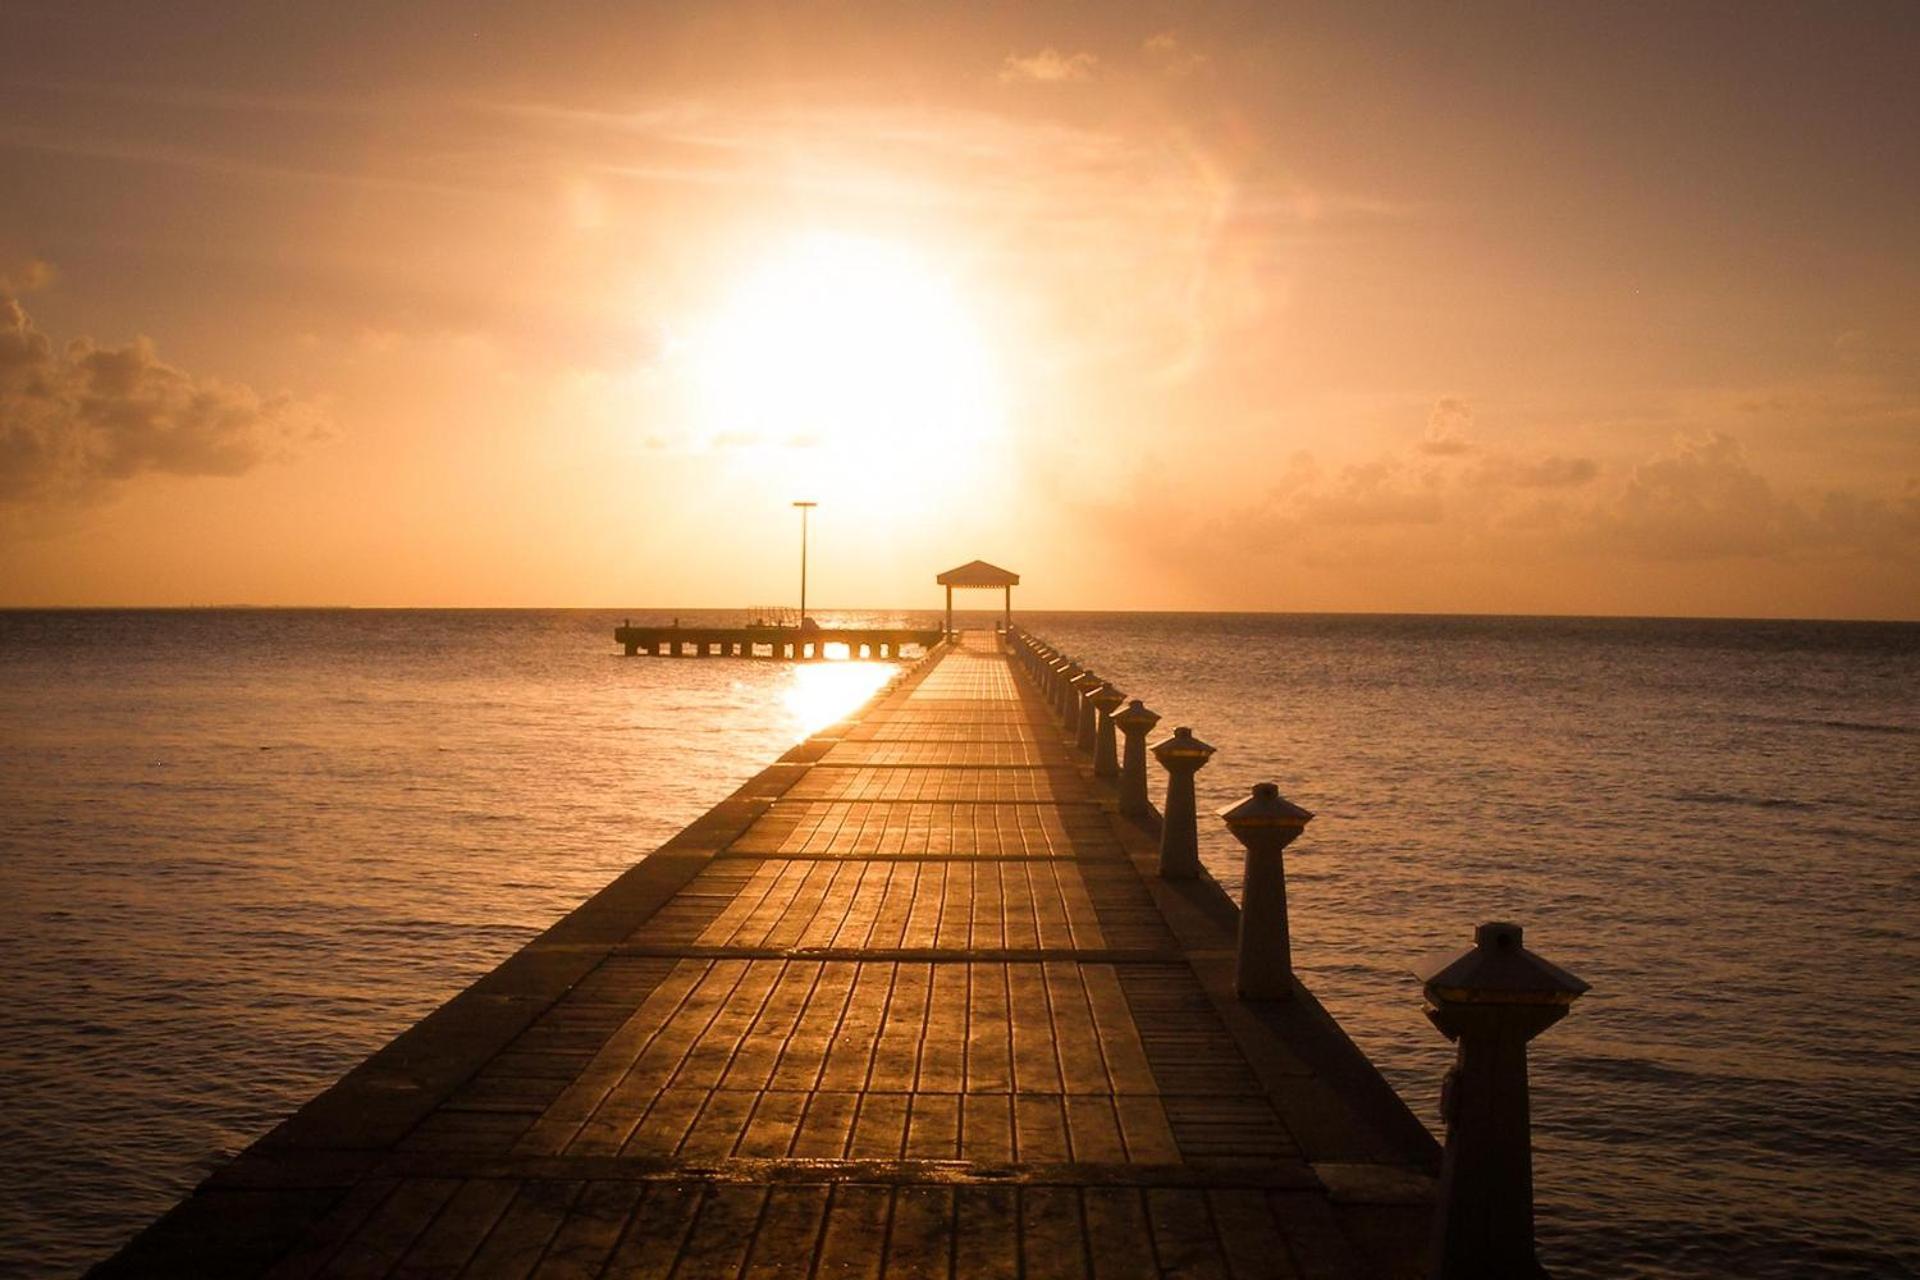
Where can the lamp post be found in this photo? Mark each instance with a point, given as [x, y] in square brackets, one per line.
[805, 508]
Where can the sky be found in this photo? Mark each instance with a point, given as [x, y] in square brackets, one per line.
[1508, 308]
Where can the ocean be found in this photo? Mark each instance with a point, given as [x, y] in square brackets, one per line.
[241, 849]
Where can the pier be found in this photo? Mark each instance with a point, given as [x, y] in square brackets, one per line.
[792, 643]
[942, 992]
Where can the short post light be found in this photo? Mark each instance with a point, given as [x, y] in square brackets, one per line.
[1065, 672]
[1266, 822]
[1086, 719]
[1182, 755]
[1055, 672]
[1106, 759]
[1079, 710]
[1490, 1000]
[1134, 723]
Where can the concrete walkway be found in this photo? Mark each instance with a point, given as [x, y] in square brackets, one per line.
[912, 1003]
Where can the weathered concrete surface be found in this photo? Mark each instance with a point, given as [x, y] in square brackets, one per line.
[911, 1003]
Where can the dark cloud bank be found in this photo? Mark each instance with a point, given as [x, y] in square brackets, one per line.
[77, 421]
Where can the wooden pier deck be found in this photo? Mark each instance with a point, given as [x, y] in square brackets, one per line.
[911, 1003]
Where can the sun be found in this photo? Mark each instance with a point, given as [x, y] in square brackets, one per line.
[857, 349]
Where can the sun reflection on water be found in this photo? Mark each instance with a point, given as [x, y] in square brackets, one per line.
[817, 694]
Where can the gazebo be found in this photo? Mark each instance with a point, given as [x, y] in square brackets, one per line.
[978, 575]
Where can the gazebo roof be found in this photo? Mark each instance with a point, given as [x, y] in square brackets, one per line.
[978, 573]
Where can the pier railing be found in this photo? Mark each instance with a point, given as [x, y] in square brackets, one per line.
[1489, 1000]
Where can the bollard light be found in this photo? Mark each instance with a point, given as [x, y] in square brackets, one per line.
[1064, 673]
[1086, 720]
[1266, 822]
[1182, 755]
[1490, 1000]
[1074, 713]
[1134, 723]
[1106, 760]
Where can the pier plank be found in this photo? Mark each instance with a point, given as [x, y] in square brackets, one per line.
[983, 784]
[919, 755]
[590, 1232]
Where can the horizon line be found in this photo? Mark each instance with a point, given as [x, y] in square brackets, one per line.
[243, 607]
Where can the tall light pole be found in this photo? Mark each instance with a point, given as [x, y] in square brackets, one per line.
[805, 508]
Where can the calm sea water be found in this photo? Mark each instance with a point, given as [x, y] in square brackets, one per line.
[240, 850]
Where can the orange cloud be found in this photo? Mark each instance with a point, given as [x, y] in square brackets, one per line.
[25, 276]
[1447, 427]
[1049, 66]
[75, 422]
[1165, 50]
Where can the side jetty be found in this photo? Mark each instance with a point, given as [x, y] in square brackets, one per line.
[793, 643]
[941, 993]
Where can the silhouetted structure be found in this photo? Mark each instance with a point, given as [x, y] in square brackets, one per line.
[1490, 1000]
[1265, 823]
[1106, 759]
[978, 575]
[805, 642]
[911, 1002]
[1135, 722]
[1182, 755]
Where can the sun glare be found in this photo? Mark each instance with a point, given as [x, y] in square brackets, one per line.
[855, 349]
[817, 694]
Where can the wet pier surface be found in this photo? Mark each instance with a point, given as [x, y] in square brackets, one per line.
[911, 1003]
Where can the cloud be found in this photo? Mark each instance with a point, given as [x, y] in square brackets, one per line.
[1385, 491]
[1165, 51]
[1702, 500]
[25, 276]
[1049, 66]
[169, 155]
[1895, 357]
[1447, 425]
[77, 422]
[1699, 499]
[1549, 471]
[1523, 518]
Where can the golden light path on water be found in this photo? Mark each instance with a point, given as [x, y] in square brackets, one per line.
[817, 694]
